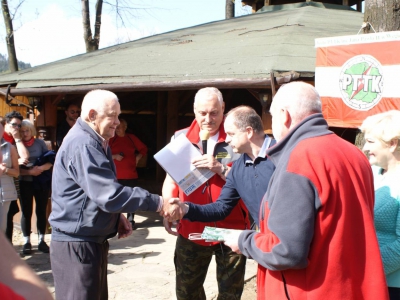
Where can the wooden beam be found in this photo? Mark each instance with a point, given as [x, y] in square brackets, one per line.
[57, 99]
[272, 75]
[172, 112]
[346, 2]
[359, 6]
[161, 130]
[267, 2]
[225, 83]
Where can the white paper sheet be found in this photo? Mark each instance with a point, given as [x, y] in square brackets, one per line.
[175, 159]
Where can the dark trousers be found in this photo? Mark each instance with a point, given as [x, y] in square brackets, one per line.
[191, 265]
[394, 293]
[131, 183]
[26, 201]
[79, 270]
[13, 210]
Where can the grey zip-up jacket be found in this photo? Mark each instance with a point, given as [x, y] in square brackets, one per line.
[86, 198]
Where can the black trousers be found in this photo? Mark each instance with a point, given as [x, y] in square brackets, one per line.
[13, 210]
[26, 201]
[130, 183]
[79, 270]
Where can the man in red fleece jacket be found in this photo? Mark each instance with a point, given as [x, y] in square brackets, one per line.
[317, 238]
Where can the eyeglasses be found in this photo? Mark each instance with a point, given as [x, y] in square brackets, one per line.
[15, 125]
[75, 112]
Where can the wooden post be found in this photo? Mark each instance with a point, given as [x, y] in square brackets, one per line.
[161, 130]
[346, 2]
[359, 6]
[266, 116]
[172, 113]
[267, 2]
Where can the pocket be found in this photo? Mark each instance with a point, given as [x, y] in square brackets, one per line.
[79, 250]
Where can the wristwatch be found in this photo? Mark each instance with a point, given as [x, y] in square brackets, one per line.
[224, 169]
[17, 140]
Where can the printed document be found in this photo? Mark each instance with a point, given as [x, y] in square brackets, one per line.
[175, 159]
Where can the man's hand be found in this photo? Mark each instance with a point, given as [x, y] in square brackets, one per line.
[173, 209]
[232, 240]
[124, 227]
[208, 161]
[168, 227]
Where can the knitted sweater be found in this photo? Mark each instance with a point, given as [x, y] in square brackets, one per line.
[387, 223]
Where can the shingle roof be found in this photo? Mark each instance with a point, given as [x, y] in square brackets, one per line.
[239, 49]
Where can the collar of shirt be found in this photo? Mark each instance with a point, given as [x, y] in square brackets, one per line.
[262, 153]
[104, 142]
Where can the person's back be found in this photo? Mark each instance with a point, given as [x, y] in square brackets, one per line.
[342, 181]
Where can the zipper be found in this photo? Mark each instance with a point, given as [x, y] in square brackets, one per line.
[285, 286]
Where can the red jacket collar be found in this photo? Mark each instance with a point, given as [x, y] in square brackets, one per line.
[194, 131]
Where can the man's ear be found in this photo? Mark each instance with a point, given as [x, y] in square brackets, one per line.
[92, 115]
[393, 145]
[250, 132]
[286, 118]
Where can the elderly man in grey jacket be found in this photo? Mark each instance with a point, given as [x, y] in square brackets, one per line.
[87, 201]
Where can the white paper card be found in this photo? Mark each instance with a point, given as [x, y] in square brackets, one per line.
[175, 158]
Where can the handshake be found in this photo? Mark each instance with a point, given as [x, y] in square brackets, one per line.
[173, 209]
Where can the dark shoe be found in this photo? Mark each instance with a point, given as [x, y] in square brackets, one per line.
[27, 249]
[43, 247]
[133, 225]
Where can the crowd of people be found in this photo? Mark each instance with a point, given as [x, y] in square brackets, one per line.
[319, 216]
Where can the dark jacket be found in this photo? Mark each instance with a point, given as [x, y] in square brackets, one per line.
[43, 181]
[86, 197]
[317, 238]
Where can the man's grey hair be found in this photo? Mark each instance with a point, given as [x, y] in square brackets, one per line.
[244, 116]
[96, 100]
[300, 99]
[207, 93]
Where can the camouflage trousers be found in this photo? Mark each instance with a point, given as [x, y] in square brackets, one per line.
[191, 265]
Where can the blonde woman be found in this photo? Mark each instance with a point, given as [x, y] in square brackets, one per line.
[382, 135]
[37, 148]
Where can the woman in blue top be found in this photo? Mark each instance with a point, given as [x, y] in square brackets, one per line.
[382, 136]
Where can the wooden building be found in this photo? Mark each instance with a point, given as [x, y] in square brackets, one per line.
[156, 78]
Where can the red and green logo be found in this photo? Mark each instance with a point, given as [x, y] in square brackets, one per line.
[361, 82]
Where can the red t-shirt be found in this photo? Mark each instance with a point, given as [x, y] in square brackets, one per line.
[128, 145]
[8, 294]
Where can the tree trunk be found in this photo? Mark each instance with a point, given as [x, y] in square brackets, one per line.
[12, 56]
[91, 43]
[230, 9]
[382, 15]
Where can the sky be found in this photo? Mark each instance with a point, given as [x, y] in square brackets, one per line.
[50, 30]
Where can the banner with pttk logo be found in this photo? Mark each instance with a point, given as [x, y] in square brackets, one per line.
[358, 76]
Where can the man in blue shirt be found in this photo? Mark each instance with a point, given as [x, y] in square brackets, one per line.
[249, 176]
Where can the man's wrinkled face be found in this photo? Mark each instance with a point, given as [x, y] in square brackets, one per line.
[72, 113]
[209, 113]
[106, 122]
[237, 139]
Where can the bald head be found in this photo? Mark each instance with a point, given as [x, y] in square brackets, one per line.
[293, 103]
[100, 110]
[244, 116]
[299, 98]
[97, 100]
